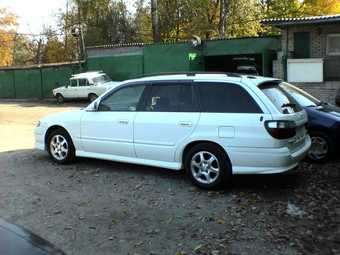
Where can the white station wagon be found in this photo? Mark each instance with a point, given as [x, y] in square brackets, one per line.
[87, 85]
[211, 125]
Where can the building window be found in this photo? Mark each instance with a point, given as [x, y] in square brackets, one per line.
[333, 44]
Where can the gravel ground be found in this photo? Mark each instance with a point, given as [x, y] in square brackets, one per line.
[103, 207]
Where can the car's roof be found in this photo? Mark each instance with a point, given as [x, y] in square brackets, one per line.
[216, 76]
[91, 74]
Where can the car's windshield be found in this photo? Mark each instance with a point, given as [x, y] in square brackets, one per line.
[302, 97]
[101, 79]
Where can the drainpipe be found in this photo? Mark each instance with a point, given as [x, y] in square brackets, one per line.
[286, 54]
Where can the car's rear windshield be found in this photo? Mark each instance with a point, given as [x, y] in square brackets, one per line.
[282, 100]
[101, 79]
[301, 96]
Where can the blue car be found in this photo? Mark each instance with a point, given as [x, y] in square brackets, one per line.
[323, 124]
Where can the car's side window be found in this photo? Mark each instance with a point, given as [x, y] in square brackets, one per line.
[83, 82]
[226, 97]
[74, 83]
[125, 99]
[171, 98]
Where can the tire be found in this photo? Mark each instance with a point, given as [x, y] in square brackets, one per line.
[92, 97]
[60, 98]
[322, 148]
[207, 166]
[60, 147]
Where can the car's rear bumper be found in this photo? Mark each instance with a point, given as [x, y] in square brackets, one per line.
[267, 160]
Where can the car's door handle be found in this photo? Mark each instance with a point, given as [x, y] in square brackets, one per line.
[123, 122]
[185, 124]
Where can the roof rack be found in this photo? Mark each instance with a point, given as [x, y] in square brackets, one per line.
[88, 72]
[191, 73]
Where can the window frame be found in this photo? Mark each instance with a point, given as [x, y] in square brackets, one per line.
[329, 50]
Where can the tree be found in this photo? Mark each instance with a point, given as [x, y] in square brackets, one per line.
[54, 50]
[23, 51]
[8, 21]
[154, 15]
[321, 7]
[102, 22]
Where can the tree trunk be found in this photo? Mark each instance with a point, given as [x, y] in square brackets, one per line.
[155, 31]
[223, 18]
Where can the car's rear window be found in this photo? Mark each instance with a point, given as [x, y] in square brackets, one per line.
[282, 100]
[226, 97]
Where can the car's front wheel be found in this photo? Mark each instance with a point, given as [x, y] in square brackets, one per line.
[60, 147]
[207, 166]
[60, 98]
[322, 147]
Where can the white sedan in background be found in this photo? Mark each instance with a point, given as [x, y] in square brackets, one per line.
[87, 85]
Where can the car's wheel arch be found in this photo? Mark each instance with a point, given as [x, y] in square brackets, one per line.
[53, 128]
[326, 132]
[189, 146]
[92, 93]
[60, 93]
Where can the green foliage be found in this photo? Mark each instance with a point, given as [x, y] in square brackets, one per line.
[112, 22]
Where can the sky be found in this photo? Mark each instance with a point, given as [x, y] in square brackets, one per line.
[33, 14]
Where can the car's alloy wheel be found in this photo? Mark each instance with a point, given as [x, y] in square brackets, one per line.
[60, 98]
[60, 147]
[322, 148]
[207, 166]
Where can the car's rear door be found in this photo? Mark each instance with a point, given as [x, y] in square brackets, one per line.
[170, 115]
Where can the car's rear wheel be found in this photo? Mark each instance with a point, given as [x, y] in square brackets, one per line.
[60, 98]
[92, 97]
[207, 166]
[60, 147]
[322, 148]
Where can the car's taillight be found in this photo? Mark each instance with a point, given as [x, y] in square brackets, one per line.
[281, 129]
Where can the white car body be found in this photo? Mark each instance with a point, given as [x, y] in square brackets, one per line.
[87, 85]
[161, 139]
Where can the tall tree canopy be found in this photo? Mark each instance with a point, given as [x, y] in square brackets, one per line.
[110, 22]
[8, 21]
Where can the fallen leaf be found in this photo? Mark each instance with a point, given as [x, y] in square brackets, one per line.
[169, 220]
[223, 222]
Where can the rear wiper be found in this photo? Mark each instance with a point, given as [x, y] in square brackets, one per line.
[289, 105]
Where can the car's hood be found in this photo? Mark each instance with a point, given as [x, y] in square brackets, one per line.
[325, 108]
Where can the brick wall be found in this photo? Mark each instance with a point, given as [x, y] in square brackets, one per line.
[318, 41]
[324, 91]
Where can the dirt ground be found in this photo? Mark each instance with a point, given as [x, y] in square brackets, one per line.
[102, 207]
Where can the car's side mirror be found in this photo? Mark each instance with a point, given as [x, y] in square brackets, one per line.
[93, 107]
[66, 85]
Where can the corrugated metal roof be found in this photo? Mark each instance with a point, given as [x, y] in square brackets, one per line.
[302, 21]
[178, 42]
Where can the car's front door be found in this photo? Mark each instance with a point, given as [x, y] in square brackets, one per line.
[109, 130]
[71, 90]
[170, 115]
[83, 88]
